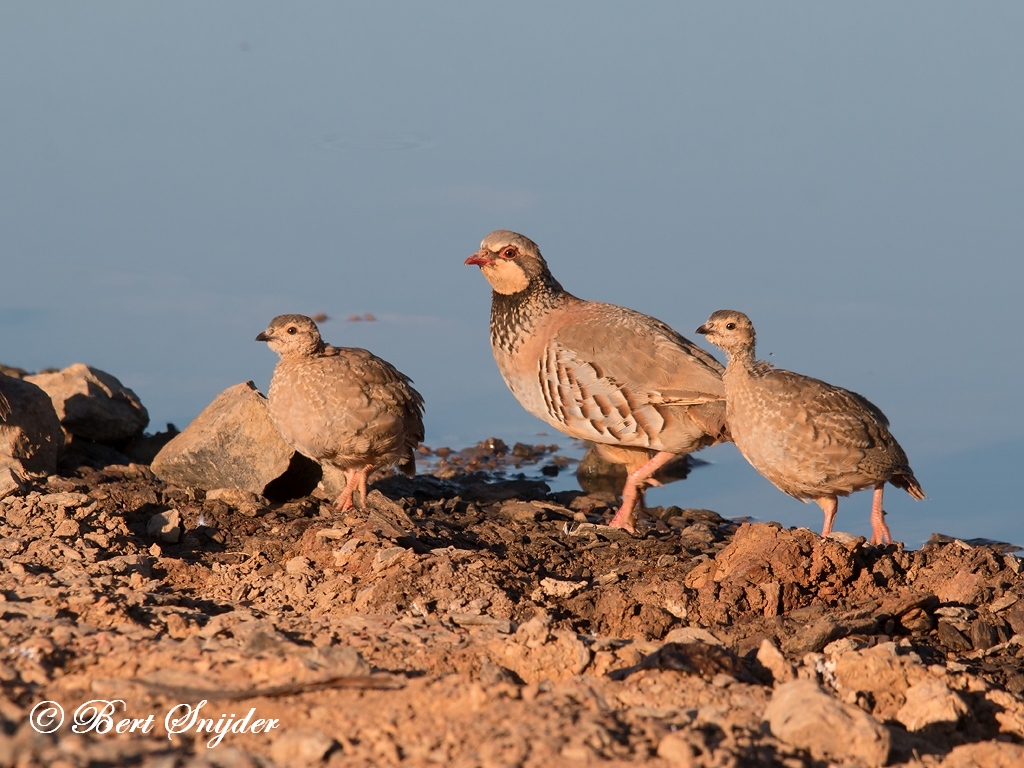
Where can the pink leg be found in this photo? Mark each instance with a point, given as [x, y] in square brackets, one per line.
[829, 505]
[633, 489]
[879, 530]
[355, 480]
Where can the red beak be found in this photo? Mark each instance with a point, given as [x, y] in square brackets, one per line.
[481, 259]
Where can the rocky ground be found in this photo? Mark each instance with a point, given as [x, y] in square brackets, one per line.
[462, 619]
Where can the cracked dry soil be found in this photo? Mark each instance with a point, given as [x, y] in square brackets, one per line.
[461, 622]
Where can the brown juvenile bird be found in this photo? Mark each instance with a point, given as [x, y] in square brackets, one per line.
[341, 405]
[812, 440]
[629, 383]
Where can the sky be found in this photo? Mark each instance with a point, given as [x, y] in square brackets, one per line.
[849, 175]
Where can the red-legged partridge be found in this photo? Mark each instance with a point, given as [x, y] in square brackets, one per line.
[812, 440]
[340, 405]
[629, 383]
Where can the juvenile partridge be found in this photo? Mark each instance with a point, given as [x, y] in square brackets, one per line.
[623, 380]
[341, 406]
[811, 439]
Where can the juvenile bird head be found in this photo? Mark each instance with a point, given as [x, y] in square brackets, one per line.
[293, 336]
[510, 262]
[730, 330]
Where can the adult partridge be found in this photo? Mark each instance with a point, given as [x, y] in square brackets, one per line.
[625, 381]
[341, 406]
[811, 439]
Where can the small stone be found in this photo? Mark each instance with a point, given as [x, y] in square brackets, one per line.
[10, 482]
[385, 556]
[771, 658]
[953, 638]
[675, 749]
[334, 533]
[67, 529]
[916, 620]
[929, 702]
[802, 714]
[558, 588]
[303, 746]
[1003, 603]
[66, 500]
[297, 565]
[983, 635]
[990, 754]
[692, 635]
[165, 526]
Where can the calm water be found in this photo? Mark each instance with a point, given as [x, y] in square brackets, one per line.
[173, 175]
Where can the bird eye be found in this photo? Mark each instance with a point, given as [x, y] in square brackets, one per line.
[508, 253]
[730, 326]
[292, 330]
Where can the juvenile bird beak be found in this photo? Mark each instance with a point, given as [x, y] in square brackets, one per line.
[263, 336]
[704, 329]
[481, 259]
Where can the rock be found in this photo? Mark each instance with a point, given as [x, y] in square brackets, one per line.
[10, 482]
[93, 404]
[165, 526]
[963, 587]
[770, 657]
[67, 529]
[951, 637]
[675, 749]
[990, 754]
[692, 635]
[385, 557]
[762, 552]
[803, 715]
[30, 438]
[303, 746]
[928, 702]
[233, 444]
[298, 565]
[535, 652]
[559, 588]
[814, 637]
[1009, 712]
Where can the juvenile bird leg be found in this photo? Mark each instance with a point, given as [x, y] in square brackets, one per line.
[355, 480]
[633, 489]
[879, 530]
[829, 505]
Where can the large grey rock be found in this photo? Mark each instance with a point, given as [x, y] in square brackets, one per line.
[93, 404]
[234, 444]
[803, 715]
[30, 437]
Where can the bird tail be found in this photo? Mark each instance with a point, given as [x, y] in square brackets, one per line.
[710, 417]
[408, 465]
[908, 483]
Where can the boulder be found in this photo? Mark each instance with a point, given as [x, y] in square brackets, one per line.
[234, 444]
[30, 437]
[93, 404]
